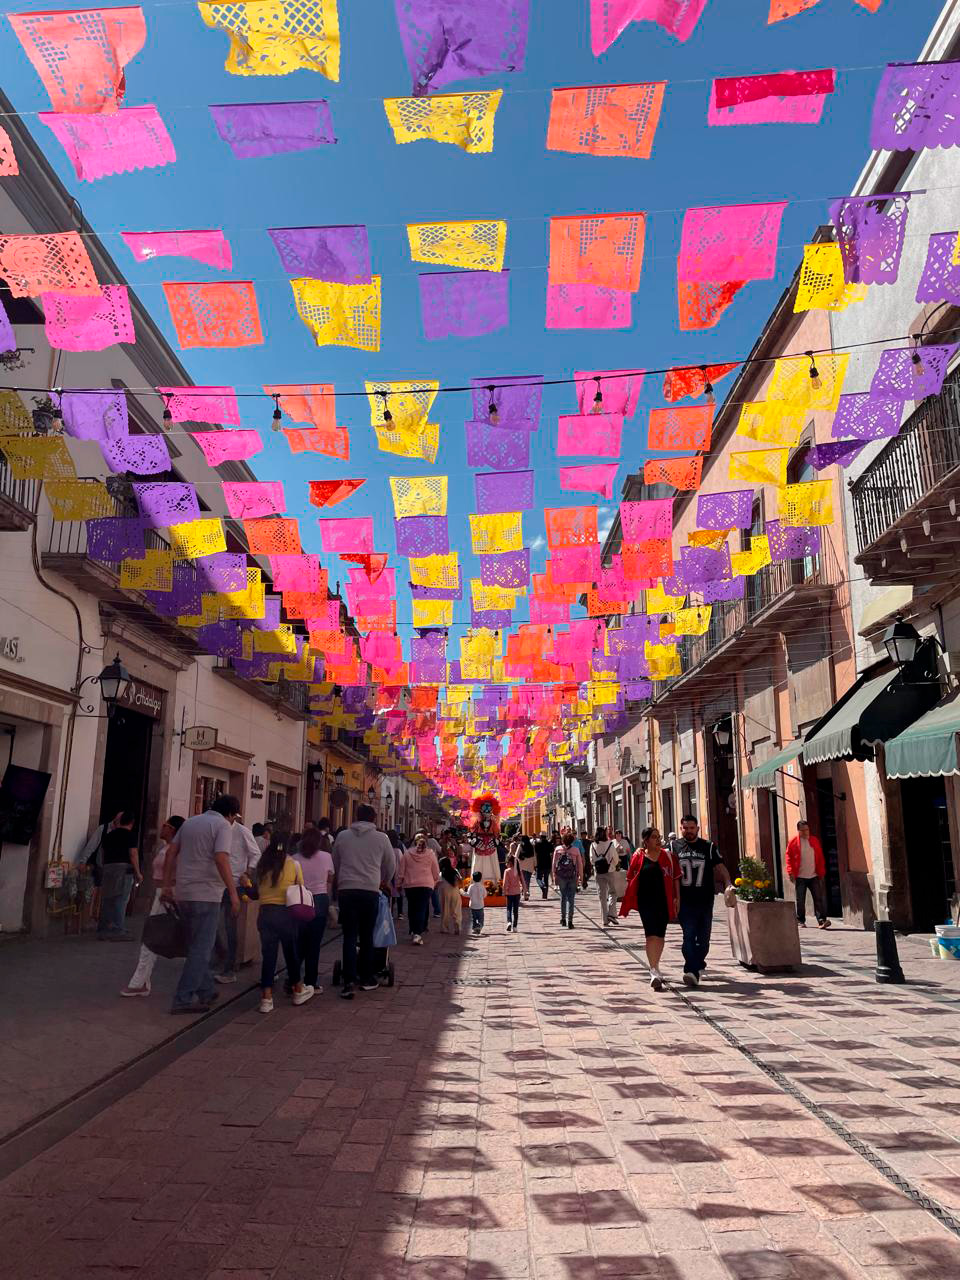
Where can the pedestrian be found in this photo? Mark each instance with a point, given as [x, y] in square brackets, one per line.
[603, 859]
[452, 919]
[245, 853]
[419, 875]
[120, 873]
[323, 831]
[363, 860]
[807, 868]
[544, 855]
[196, 870]
[526, 864]
[567, 871]
[700, 867]
[276, 872]
[653, 881]
[261, 833]
[583, 846]
[139, 984]
[476, 896]
[513, 891]
[624, 849]
[394, 889]
[316, 863]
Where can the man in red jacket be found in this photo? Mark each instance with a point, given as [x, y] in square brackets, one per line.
[806, 868]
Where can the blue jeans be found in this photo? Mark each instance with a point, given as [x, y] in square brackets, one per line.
[696, 921]
[476, 914]
[435, 899]
[196, 980]
[568, 896]
[418, 909]
[513, 909]
[114, 893]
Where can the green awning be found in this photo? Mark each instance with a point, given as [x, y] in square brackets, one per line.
[875, 709]
[765, 775]
[928, 749]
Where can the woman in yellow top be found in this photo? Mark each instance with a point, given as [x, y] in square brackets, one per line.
[275, 874]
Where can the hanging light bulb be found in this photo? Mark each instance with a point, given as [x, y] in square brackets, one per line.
[598, 398]
[277, 415]
[816, 382]
[57, 414]
[167, 415]
[387, 415]
[707, 385]
[493, 413]
[916, 359]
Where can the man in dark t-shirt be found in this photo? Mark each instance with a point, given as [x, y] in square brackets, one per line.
[700, 863]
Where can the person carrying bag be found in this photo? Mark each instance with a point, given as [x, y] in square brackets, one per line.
[282, 893]
[603, 856]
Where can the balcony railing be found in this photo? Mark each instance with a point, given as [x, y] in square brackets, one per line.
[69, 537]
[927, 447]
[24, 493]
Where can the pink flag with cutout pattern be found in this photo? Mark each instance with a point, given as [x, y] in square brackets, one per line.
[588, 306]
[735, 242]
[210, 247]
[598, 478]
[347, 533]
[586, 433]
[227, 446]
[103, 145]
[646, 521]
[249, 500]
[610, 18]
[202, 404]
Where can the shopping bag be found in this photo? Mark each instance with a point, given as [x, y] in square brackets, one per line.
[384, 931]
[165, 934]
[300, 903]
[619, 881]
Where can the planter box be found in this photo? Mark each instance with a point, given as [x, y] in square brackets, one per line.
[764, 935]
[489, 901]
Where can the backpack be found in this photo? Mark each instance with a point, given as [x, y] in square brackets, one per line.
[566, 869]
[601, 864]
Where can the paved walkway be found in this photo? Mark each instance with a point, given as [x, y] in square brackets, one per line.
[525, 1106]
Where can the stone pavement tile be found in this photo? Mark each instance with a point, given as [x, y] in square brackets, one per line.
[303, 1262]
[210, 1223]
[672, 1229]
[171, 1203]
[132, 1245]
[507, 1251]
[436, 1242]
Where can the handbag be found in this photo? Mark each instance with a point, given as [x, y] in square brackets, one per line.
[384, 931]
[165, 934]
[333, 916]
[300, 903]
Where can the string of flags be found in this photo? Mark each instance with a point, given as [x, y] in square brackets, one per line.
[460, 701]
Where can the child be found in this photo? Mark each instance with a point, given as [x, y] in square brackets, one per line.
[450, 897]
[476, 896]
[513, 890]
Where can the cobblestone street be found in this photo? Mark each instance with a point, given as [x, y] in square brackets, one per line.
[526, 1106]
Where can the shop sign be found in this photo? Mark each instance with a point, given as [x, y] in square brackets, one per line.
[200, 738]
[10, 648]
[256, 787]
[145, 698]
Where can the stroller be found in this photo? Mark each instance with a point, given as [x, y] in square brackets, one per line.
[384, 932]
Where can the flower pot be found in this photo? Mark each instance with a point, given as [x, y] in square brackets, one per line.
[764, 935]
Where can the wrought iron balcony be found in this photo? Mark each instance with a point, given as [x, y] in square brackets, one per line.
[18, 500]
[905, 503]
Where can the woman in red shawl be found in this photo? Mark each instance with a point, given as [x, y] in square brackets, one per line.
[653, 889]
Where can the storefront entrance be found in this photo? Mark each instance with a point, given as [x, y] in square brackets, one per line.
[126, 767]
[929, 852]
[826, 830]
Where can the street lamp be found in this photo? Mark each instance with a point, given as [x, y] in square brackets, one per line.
[643, 775]
[721, 734]
[371, 795]
[901, 641]
[114, 681]
[338, 777]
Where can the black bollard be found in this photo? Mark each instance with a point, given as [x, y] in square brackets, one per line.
[888, 961]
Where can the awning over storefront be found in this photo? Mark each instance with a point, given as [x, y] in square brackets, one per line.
[928, 749]
[875, 709]
[765, 775]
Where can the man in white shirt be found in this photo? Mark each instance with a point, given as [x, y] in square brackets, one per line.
[244, 856]
[196, 871]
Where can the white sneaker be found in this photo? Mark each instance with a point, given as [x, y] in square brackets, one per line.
[225, 978]
[509, 928]
[301, 997]
[129, 991]
[266, 1004]
[691, 980]
[656, 979]
[417, 940]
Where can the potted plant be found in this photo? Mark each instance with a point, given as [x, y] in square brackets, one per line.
[763, 928]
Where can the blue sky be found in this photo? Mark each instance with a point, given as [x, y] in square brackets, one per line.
[367, 178]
